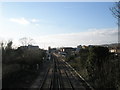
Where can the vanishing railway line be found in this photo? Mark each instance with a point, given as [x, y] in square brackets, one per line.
[60, 76]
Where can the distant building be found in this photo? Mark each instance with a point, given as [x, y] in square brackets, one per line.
[114, 49]
[78, 48]
[118, 50]
[29, 47]
[52, 50]
[84, 47]
[49, 48]
[90, 46]
[23, 47]
[68, 50]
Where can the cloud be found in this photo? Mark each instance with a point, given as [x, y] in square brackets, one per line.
[25, 21]
[20, 20]
[34, 20]
[90, 37]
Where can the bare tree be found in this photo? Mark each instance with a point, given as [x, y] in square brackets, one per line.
[9, 45]
[116, 13]
[26, 41]
[116, 10]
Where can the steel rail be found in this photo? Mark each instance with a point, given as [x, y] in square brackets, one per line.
[68, 79]
[86, 84]
[44, 79]
[61, 86]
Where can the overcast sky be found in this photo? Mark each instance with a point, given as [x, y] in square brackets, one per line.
[58, 24]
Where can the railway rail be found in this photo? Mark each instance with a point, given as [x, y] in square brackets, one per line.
[61, 76]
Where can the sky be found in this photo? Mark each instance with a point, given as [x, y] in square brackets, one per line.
[58, 24]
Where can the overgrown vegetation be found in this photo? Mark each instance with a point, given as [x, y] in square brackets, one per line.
[98, 66]
[20, 65]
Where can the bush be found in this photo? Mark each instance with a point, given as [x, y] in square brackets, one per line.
[98, 66]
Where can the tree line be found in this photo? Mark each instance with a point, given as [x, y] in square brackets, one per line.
[20, 62]
[98, 66]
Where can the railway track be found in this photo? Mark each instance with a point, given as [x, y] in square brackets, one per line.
[65, 77]
[46, 79]
[61, 76]
[77, 76]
